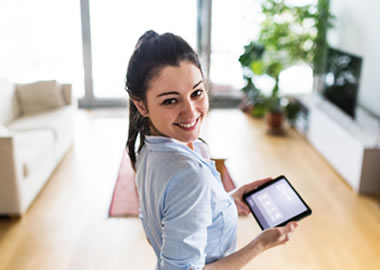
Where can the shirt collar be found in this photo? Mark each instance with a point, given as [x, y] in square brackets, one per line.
[167, 144]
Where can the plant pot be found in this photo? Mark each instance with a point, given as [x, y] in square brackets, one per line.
[275, 122]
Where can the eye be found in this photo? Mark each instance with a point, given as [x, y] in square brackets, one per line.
[169, 101]
[197, 93]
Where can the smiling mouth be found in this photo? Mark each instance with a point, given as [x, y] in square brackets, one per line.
[189, 125]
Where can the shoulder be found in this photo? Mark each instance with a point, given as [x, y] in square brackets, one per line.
[189, 189]
[174, 162]
[187, 170]
[172, 168]
[187, 174]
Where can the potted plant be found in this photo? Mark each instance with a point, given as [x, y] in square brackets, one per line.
[272, 64]
[289, 34]
[258, 62]
[254, 101]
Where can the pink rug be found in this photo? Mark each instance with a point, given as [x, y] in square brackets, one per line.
[125, 200]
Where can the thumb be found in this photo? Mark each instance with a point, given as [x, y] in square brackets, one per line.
[242, 208]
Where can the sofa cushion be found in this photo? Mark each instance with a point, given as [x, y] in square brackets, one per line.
[9, 107]
[39, 96]
[34, 149]
[55, 121]
[67, 93]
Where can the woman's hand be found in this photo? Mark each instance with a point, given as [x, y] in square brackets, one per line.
[275, 236]
[267, 239]
[237, 195]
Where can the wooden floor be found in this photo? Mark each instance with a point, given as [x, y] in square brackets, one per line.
[67, 227]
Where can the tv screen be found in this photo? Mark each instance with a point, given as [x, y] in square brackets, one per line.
[342, 78]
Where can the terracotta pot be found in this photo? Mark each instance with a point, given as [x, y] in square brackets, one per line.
[275, 120]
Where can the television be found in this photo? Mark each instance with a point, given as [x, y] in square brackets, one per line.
[341, 80]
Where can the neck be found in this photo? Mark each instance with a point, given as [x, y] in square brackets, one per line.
[191, 145]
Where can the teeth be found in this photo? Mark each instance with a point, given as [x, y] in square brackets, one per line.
[187, 125]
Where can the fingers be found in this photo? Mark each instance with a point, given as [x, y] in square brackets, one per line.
[242, 208]
[284, 233]
[276, 236]
[291, 226]
[288, 230]
[255, 184]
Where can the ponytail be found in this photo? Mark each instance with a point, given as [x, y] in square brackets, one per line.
[138, 126]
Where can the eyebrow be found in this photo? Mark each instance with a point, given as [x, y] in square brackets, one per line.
[176, 93]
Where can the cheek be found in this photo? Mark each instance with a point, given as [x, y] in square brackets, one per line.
[161, 117]
[205, 104]
[166, 120]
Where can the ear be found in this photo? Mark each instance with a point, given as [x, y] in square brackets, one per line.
[140, 107]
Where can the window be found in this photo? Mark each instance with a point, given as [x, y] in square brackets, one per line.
[234, 24]
[41, 40]
[117, 25]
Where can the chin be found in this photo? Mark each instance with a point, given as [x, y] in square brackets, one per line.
[188, 139]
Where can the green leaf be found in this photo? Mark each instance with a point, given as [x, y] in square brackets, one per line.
[274, 69]
[258, 67]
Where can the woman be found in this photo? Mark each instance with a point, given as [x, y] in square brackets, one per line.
[188, 218]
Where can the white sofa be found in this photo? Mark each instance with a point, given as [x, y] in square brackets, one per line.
[36, 130]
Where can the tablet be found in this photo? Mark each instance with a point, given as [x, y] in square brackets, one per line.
[275, 203]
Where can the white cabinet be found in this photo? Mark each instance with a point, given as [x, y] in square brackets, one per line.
[350, 146]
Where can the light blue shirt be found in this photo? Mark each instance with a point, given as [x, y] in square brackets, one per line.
[187, 216]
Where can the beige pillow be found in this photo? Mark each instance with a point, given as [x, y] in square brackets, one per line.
[39, 96]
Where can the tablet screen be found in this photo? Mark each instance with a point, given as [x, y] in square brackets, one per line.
[276, 203]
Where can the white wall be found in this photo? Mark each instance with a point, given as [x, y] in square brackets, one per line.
[357, 30]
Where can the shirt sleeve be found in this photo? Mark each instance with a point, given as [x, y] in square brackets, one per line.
[186, 214]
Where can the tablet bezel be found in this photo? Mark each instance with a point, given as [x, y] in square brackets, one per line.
[306, 213]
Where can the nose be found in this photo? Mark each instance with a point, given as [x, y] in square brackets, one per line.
[189, 110]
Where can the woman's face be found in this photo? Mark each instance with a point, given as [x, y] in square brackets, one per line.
[176, 102]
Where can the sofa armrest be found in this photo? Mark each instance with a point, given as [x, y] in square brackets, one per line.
[10, 173]
[67, 93]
